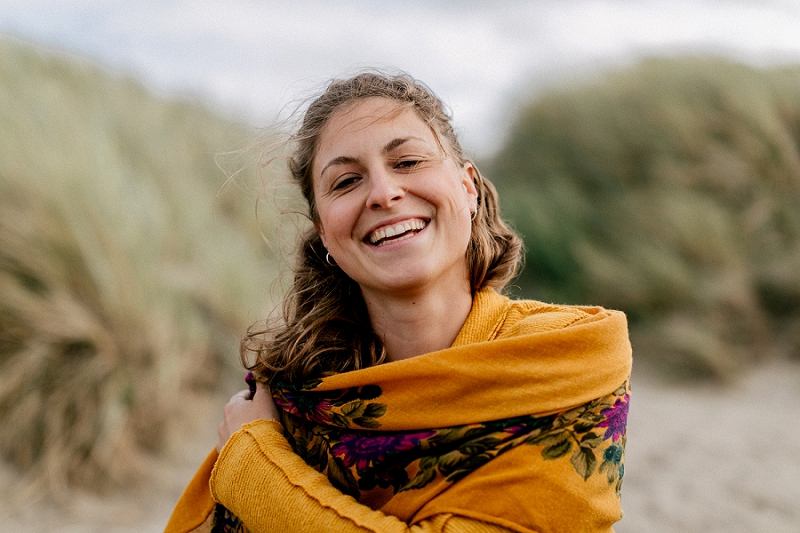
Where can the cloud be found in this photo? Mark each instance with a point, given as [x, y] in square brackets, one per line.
[255, 56]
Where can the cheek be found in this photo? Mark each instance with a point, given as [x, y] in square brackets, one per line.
[336, 221]
[460, 202]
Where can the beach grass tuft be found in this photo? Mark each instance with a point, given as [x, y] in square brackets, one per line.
[128, 272]
[670, 190]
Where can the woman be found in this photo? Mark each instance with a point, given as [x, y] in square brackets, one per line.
[401, 391]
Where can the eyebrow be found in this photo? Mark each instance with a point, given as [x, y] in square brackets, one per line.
[341, 160]
[346, 160]
[391, 145]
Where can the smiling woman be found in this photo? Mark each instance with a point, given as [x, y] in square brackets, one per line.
[394, 211]
[401, 391]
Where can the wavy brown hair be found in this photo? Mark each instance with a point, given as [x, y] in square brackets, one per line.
[325, 328]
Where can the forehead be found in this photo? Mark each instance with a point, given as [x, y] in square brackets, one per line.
[370, 116]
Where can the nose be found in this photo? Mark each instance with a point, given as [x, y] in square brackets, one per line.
[385, 189]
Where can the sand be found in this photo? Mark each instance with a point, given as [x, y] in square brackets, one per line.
[715, 459]
[701, 458]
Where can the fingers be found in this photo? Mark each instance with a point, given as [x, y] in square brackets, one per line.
[263, 389]
[241, 410]
[249, 394]
[228, 424]
[263, 398]
[240, 396]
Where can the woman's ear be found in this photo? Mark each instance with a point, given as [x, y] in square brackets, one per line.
[468, 182]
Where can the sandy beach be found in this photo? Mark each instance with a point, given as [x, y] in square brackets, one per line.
[701, 458]
[709, 459]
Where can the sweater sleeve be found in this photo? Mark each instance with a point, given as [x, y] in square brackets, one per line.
[261, 480]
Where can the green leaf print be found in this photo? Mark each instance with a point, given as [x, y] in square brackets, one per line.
[584, 461]
[557, 450]
[342, 478]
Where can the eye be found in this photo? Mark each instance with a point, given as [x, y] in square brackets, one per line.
[345, 182]
[407, 164]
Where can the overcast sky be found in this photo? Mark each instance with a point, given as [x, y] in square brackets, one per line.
[252, 58]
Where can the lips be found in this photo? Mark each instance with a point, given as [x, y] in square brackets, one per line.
[396, 232]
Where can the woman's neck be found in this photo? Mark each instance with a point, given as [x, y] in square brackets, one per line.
[411, 325]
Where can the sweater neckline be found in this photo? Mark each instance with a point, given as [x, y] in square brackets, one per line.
[489, 311]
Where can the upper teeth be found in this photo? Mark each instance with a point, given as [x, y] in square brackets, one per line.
[396, 229]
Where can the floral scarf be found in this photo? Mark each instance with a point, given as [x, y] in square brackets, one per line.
[339, 434]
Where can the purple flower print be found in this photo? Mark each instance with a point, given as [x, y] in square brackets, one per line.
[616, 419]
[516, 429]
[302, 405]
[361, 449]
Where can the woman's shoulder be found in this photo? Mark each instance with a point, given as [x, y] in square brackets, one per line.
[533, 316]
[496, 316]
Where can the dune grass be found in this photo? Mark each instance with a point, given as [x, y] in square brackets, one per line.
[670, 190]
[128, 272]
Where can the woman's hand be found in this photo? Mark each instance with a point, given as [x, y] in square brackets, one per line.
[242, 410]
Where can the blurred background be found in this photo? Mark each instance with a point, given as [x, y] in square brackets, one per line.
[648, 152]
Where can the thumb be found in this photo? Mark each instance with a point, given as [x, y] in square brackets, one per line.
[262, 393]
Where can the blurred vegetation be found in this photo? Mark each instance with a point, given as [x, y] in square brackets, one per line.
[127, 271]
[670, 190]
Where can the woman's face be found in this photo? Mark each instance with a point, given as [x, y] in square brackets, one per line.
[394, 209]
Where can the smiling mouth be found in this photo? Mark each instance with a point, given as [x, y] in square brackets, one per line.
[396, 232]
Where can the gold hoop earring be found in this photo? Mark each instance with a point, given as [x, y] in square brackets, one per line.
[474, 214]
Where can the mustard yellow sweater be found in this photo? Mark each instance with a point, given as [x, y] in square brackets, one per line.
[552, 359]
